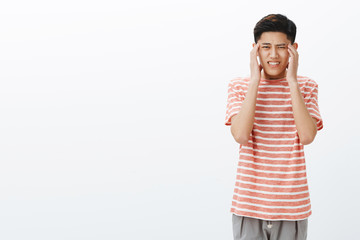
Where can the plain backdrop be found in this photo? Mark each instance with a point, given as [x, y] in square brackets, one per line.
[113, 116]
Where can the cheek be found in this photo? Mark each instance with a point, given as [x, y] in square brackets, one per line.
[285, 56]
[261, 52]
[261, 56]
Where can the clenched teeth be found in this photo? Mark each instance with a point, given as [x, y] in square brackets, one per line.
[274, 63]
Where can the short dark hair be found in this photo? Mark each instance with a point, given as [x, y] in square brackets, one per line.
[275, 23]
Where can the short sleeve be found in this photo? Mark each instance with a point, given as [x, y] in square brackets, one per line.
[235, 98]
[311, 102]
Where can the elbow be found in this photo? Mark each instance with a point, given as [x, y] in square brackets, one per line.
[242, 139]
[306, 140]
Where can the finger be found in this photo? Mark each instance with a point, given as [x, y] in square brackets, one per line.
[290, 52]
[290, 47]
[256, 47]
[293, 56]
[293, 49]
[254, 51]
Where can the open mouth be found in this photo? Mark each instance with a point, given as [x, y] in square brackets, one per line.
[273, 64]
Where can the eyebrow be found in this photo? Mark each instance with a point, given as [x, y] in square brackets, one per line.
[280, 44]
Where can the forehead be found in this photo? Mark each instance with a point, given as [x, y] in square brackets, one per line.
[273, 38]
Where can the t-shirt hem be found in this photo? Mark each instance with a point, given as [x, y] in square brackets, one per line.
[268, 219]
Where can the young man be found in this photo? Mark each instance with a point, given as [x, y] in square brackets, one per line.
[273, 114]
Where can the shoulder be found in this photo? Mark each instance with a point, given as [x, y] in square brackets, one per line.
[239, 80]
[307, 81]
[239, 83]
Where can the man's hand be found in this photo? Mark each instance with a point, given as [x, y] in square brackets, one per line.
[291, 74]
[305, 124]
[255, 68]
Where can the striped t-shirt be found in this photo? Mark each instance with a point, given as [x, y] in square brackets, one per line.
[271, 182]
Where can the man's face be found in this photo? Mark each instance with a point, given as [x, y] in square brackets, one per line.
[273, 54]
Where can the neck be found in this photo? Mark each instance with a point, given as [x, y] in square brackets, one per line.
[271, 77]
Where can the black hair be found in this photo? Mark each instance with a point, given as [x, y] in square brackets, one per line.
[275, 23]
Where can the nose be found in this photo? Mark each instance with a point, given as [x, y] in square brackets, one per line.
[273, 53]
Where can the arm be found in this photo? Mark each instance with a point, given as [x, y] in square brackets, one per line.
[305, 124]
[242, 123]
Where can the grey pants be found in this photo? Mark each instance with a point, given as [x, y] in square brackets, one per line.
[247, 228]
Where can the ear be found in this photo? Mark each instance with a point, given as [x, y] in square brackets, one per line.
[295, 45]
[253, 44]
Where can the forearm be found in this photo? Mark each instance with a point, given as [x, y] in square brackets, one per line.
[242, 123]
[305, 124]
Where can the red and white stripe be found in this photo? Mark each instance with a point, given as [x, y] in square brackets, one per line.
[271, 181]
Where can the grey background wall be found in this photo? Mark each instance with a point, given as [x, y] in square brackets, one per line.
[112, 116]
